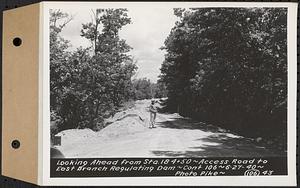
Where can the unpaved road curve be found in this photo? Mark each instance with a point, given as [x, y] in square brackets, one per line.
[174, 136]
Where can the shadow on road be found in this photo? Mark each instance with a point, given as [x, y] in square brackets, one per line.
[219, 144]
[185, 123]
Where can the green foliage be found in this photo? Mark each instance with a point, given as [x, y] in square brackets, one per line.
[86, 86]
[229, 66]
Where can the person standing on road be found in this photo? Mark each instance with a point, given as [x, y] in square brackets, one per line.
[153, 111]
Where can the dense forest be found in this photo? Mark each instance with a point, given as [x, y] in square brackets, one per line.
[90, 84]
[228, 66]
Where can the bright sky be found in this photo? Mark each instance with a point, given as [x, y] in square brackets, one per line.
[147, 33]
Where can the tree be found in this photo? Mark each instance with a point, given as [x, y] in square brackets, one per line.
[108, 79]
[87, 87]
[145, 89]
[58, 58]
[228, 66]
[160, 90]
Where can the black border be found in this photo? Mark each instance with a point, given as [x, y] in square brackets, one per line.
[6, 182]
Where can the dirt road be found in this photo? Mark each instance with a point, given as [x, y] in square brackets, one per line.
[174, 136]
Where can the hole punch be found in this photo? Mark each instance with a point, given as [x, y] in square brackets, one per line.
[15, 144]
[17, 41]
